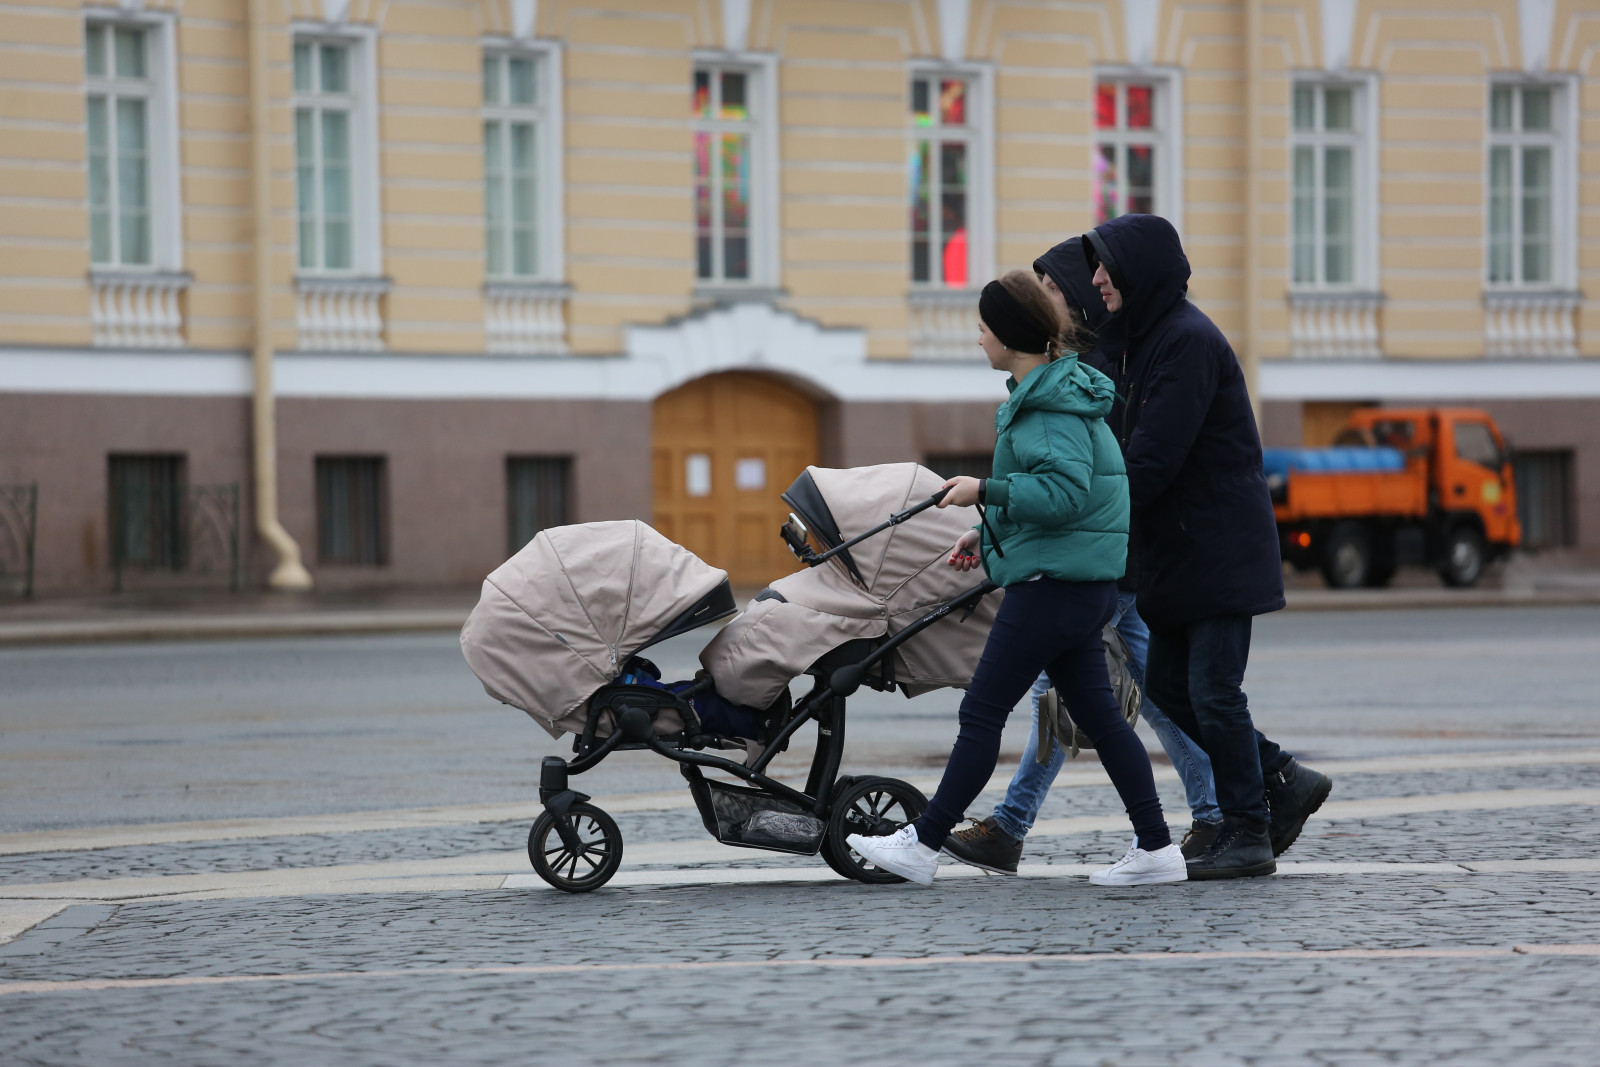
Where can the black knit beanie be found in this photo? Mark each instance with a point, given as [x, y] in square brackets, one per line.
[1011, 322]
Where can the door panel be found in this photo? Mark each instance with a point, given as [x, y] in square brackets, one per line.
[756, 435]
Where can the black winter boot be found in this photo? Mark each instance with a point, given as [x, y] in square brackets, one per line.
[1294, 793]
[1241, 850]
[1199, 838]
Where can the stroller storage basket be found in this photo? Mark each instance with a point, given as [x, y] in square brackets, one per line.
[757, 819]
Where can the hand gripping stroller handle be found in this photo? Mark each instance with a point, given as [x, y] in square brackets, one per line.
[893, 520]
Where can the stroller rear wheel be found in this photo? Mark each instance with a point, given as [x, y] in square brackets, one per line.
[872, 807]
[576, 870]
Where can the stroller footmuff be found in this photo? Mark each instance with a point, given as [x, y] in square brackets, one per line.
[560, 626]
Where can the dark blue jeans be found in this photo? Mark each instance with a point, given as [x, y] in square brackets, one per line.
[1195, 673]
[1053, 626]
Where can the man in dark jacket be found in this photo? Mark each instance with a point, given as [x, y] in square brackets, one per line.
[1204, 537]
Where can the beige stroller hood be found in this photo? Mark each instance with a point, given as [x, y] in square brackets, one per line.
[559, 619]
[877, 588]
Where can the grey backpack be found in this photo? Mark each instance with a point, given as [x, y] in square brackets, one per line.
[1055, 723]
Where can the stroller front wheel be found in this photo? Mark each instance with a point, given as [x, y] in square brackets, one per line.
[588, 866]
[871, 807]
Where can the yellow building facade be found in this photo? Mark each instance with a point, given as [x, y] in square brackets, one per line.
[502, 257]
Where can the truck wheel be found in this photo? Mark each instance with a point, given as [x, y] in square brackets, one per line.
[1347, 556]
[1462, 562]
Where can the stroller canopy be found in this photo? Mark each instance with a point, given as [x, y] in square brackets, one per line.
[559, 619]
[873, 590]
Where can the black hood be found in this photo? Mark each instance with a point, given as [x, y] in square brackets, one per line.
[1145, 259]
[1068, 267]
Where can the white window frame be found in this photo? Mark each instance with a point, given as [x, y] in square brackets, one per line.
[546, 113]
[164, 179]
[1563, 142]
[761, 70]
[1166, 133]
[1363, 140]
[366, 241]
[979, 137]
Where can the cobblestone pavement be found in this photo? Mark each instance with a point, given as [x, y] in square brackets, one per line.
[197, 952]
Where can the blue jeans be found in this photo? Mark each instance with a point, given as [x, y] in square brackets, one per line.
[1031, 783]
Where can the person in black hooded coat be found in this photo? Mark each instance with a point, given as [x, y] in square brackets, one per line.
[1204, 535]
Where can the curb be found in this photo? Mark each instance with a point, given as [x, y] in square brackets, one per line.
[1410, 599]
[225, 627]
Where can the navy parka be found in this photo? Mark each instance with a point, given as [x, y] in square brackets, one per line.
[1203, 530]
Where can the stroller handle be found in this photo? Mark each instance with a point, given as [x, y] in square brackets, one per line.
[813, 559]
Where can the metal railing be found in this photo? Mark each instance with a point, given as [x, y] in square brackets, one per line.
[19, 524]
[204, 541]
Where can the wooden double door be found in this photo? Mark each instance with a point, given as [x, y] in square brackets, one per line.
[724, 447]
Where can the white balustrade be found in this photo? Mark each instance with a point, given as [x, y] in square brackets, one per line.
[525, 320]
[137, 310]
[340, 314]
[944, 324]
[1334, 325]
[1531, 323]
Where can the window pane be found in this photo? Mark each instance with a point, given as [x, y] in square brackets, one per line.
[99, 183]
[704, 267]
[133, 194]
[335, 68]
[953, 213]
[921, 219]
[302, 67]
[537, 490]
[1140, 112]
[1338, 216]
[336, 190]
[1141, 177]
[953, 102]
[736, 205]
[734, 105]
[524, 200]
[523, 90]
[1500, 232]
[1105, 106]
[1305, 215]
[1475, 444]
[1338, 109]
[1500, 107]
[95, 49]
[130, 52]
[305, 185]
[700, 107]
[1305, 107]
[494, 198]
[1536, 222]
[491, 79]
[921, 107]
[1107, 190]
[1535, 109]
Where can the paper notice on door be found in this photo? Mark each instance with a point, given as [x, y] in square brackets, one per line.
[750, 475]
[697, 474]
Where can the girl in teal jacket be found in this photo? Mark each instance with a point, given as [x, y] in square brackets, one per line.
[1055, 536]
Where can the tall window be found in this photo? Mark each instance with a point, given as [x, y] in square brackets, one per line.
[1524, 157]
[120, 101]
[147, 511]
[942, 136]
[538, 494]
[1326, 146]
[724, 108]
[324, 123]
[1129, 149]
[352, 510]
[513, 146]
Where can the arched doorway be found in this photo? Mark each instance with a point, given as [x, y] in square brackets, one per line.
[724, 447]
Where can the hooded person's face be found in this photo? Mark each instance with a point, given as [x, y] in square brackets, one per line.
[1108, 292]
[1057, 297]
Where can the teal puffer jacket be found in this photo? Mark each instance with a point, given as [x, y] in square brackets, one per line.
[1058, 501]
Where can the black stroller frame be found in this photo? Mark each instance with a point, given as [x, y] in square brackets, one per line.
[577, 847]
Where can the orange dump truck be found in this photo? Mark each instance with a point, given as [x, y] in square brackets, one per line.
[1428, 486]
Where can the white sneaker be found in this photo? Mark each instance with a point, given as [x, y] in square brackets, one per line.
[902, 853]
[1139, 867]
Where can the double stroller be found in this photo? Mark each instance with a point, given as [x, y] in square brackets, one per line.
[562, 626]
